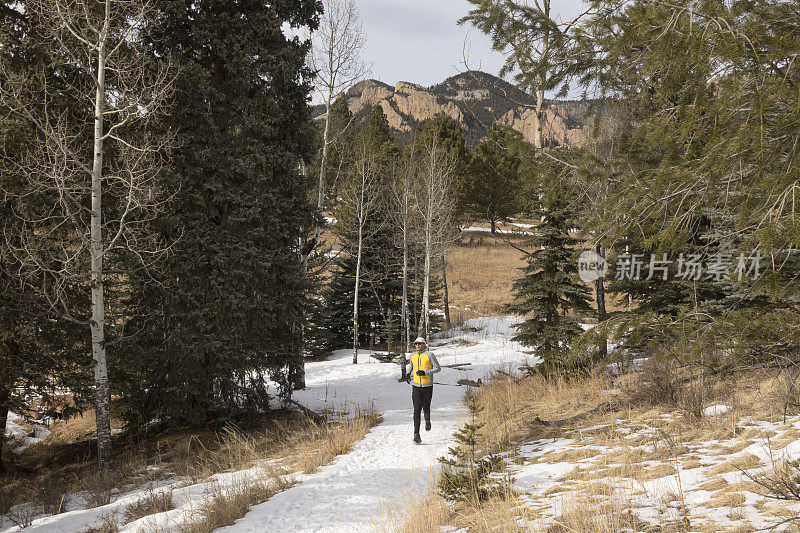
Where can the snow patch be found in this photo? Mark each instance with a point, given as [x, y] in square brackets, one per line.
[715, 410]
[15, 431]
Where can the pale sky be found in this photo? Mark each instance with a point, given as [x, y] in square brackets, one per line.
[419, 40]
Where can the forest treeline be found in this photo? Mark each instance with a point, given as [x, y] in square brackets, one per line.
[165, 193]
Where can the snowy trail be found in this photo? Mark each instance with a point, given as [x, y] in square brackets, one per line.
[356, 491]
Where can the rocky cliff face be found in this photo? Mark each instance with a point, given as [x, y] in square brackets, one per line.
[474, 101]
[556, 130]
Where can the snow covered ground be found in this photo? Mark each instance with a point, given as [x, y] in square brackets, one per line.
[24, 435]
[354, 492]
[627, 459]
[714, 484]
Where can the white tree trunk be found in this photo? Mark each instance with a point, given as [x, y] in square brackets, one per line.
[103, 397]
[355, 292]
[323, 164]
[424, 326]
[447, 323]
[538, 140]
[404, 322]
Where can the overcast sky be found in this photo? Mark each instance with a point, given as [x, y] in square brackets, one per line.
[419, 40]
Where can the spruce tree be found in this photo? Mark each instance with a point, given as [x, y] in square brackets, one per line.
[222, 318]
[550, 289]
[465, 474]
[492, 187]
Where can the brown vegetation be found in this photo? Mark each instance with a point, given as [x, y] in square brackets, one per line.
[626, 447]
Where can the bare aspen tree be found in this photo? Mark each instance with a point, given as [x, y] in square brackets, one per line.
[435, 208]
[96, 205]
[446, 302]
[361, 197]
[402, 199]
[336, 59]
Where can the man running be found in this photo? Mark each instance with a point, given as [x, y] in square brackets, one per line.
[423, 366]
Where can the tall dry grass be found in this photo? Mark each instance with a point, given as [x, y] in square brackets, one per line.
[318, 445]
[324, 442]
[480, 275]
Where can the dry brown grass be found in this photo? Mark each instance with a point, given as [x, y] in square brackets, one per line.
[715, 484]
[422, 513]
[597, 509]
[599, 494]
[737, 464]
[480, 275]
[287, 436]
[152, 503]
[726, 499]
[784, 439]
[512, 405]
[656, 472]
[482, 267]
[500, 513]
[76, 428]
[224, 507]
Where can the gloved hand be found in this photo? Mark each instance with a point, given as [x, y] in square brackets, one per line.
[420, 372]
[408, 378]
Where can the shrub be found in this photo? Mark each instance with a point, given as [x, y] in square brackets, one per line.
[465, 476]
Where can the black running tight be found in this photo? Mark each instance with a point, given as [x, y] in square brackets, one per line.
[421, 396]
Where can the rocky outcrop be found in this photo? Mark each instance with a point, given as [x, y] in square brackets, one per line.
[419, 104]
[367, 93]
[555, 126]
[396, 120]
[472, 100]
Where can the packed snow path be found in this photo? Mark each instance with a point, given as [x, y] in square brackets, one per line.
[356, 491]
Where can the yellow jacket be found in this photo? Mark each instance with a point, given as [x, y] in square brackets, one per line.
[426, 362]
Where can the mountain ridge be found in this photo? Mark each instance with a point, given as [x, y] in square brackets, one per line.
[475, 100]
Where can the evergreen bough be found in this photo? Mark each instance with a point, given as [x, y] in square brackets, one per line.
[465, 475]
[549, 288]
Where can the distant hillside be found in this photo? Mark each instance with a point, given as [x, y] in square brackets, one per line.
[475, 100]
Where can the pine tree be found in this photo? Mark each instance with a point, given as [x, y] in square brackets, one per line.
[223, 316]
[492, 188]
[549, 288]
[536, 43]
[465, 475]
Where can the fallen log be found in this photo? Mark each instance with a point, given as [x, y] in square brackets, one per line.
[316, 417]
[605, 406]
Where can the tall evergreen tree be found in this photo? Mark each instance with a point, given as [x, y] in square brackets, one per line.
[450, 138]
[492, 188]
[224, 314]
[550, 289]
